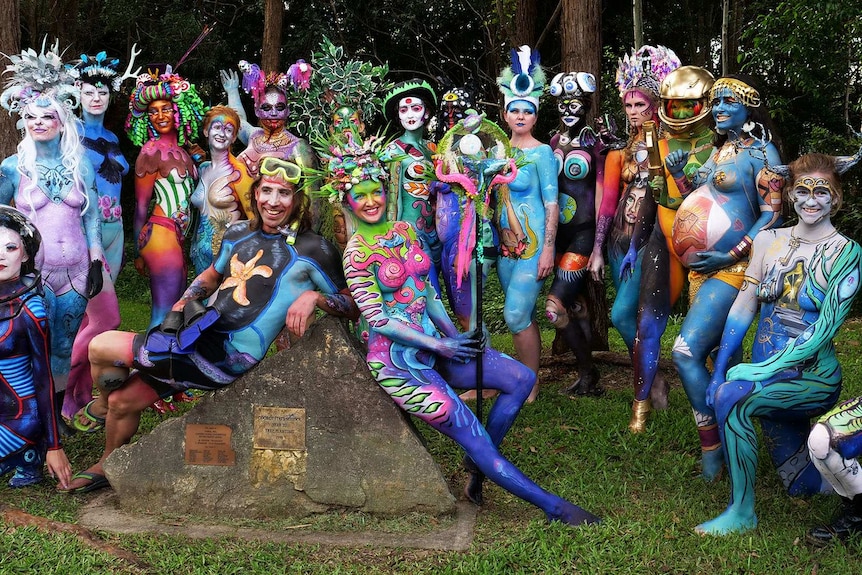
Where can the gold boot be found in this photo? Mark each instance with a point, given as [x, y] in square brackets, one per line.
[640, 410]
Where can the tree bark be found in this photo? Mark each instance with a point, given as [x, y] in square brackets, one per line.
[273, 17]
[524, 29]
[10, 40]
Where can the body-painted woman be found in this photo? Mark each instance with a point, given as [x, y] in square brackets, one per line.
[223, 193]
[387, 272]
[803, 280]
[97, 78]
[527, 212]
[733, 196]
[165, 113]
[51, 181]
[29, 435]
[411, 104]
[625, 181]
[685, 115]
[579, 162]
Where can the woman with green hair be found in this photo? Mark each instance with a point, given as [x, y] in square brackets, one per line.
[165, 113]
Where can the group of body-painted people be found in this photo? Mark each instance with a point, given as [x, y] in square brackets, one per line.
[695, 192]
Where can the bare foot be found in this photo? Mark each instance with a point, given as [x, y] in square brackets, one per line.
[533, 393]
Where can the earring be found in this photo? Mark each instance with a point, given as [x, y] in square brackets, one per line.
[748, 127]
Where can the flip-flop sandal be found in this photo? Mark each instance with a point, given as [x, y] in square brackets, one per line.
[94, 422]
[97, 481]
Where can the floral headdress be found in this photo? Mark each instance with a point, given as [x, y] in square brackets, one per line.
[38, 77]
[165, 84]
[350, 160]
[524, 79]
[99, 70]
[644, 69]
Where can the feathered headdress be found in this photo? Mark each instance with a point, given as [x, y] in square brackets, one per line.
[524, 79]
[37, 76]
[644, 69]
[256, 82]
[99, 70]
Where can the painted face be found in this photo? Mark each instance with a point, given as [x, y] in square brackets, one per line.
[272, 109]
[638, 108]
[94, 99]
[43, 124]
[571, 111]
[221, 133]
[346, 119]
[812, 197]
[161, 114]
[681, 109]
[367, 201]
[521, 117]
[633, 204]
[274, 199]
[453, 104]
[411, 113]
[728, 111]
[12, 254]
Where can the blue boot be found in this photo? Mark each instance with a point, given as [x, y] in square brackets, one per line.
[27, 464]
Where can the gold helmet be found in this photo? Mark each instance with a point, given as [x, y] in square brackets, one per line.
[685, 83]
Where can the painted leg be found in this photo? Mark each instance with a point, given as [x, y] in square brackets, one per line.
[696, 340]
[735, 406]
[102, 314]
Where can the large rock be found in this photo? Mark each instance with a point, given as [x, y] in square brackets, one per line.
[305, 431]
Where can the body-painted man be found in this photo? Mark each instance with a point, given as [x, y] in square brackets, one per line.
[527, 209]
[51, 181]
[733, 196]
[411, 104]
[271, 272]
[580, 166]
[29, 434]
[165, 113]
[803, 280]
[685, 115]
[98, 78]
[223, 193]
[625, 181]
[387, 271]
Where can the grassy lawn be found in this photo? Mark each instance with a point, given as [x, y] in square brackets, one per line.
[645, 487]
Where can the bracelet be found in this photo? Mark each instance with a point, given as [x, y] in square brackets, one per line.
[741, 249]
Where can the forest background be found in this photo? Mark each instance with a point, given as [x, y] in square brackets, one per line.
[806, 55]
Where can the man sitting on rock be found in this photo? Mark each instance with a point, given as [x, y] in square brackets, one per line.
[270, 272]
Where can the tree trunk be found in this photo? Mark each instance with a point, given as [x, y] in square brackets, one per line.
[273, 17]
[524, 28]
[638, 21]
[581, 39]
[10, 39]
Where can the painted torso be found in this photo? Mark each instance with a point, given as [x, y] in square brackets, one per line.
[103, 150]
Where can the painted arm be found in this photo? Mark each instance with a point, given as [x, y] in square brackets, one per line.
[362, 281]
[230, 83]
[841, 288]
[92, 221]
[607, 198]
[8, 180]
[201, 287]
[646, 221]
[546, 164]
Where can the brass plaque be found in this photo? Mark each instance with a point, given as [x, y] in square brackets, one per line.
[279, 428]
[209, 445]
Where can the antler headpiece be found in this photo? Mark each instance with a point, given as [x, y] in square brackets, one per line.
[99, 70]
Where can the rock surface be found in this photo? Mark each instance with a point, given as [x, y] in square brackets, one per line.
[307, 430]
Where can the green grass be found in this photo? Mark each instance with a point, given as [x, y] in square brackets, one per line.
[645, 487]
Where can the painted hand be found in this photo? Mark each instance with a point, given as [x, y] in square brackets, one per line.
[461, 348]
[712, 261]
[597, 265]
[628, 266]
[229, 80]
[676, 161]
